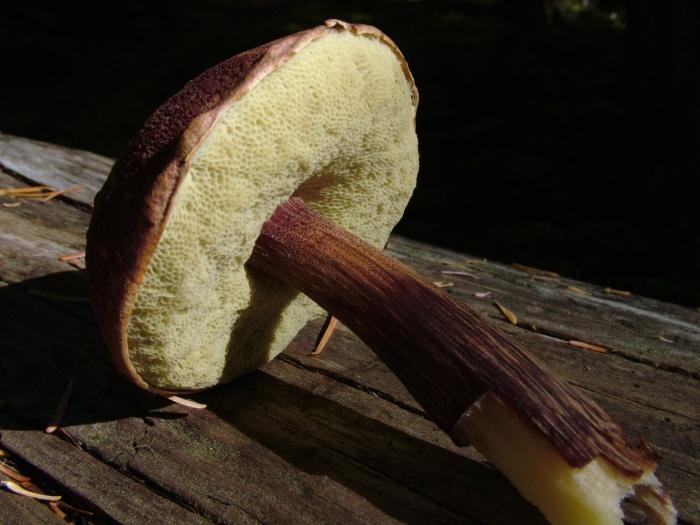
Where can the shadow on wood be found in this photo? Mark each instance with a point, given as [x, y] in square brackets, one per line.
[49, 338]
[324, 438]
[296, 443]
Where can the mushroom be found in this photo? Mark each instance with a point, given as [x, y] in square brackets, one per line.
[259, 195]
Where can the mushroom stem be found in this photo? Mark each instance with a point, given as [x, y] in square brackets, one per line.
[475, 383]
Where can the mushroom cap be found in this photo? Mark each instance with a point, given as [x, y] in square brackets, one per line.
[327, 114]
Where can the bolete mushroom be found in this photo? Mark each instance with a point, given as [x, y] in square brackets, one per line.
[197, 256]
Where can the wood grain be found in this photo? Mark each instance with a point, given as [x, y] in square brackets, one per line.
[18, 510]
[328, 459]
[445, 354]
[54, 166]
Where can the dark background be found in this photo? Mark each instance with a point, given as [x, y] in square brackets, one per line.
[559, 134]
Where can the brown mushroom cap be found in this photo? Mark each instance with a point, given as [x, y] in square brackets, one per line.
[326, 114]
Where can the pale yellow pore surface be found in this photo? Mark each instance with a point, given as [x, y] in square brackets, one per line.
[335, 124]
[590, 495]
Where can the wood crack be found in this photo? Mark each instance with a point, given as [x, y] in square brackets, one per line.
[341, 507]
[565, 338]
[232, 504]
[634, 401]
[124, 468]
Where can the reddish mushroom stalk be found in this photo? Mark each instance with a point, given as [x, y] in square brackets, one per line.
[446, 355]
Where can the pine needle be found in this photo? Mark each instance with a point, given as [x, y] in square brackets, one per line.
[70, 438]
[532, 269]
[187, 402]
[42, 193]
[17, 489]
[12, 473]
[72, 508]
[72, 256]
[510, 316]
[459, 272]
[588, 346]
[60, 408]
[329, 326]
[613, 291]
[55, 194]
[578, 290]
[57, 510]
[23, 190]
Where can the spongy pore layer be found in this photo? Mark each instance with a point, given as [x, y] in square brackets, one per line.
[335, 124]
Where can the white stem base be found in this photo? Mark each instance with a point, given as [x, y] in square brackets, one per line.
[590, 495]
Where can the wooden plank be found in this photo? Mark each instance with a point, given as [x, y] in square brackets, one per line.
[611, 375]
[280, 448]
[635, 324]
[635, 327]
[300, 417]
[20, 510]
[630, 326]
[297, 440]
[41, 220]
[674, 432]
[55, 166]
[35, 234]
[119, 498]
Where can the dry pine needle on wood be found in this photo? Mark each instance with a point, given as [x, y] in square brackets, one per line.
[509, 315]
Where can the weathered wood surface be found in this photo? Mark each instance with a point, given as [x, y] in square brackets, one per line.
[327, 438]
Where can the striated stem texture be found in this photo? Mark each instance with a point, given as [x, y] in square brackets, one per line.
[446, 355]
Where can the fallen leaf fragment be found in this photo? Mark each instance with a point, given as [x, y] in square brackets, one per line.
[443, 284]
[329, 326]
[60, 408]
[186, 402]
[482, 295]
[588, 346]
[613, 291]
[17, 489]
[506, 313]
[532, 269]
